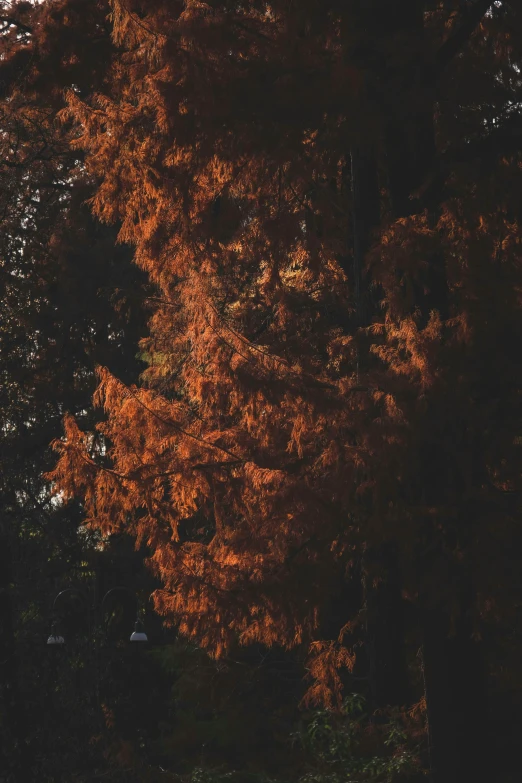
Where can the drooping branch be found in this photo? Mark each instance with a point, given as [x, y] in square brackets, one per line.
[170, 423]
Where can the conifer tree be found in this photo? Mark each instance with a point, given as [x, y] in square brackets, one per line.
[69, 298]
[326, 198]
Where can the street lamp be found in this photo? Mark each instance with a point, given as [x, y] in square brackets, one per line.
[138, 635]
[55, 637]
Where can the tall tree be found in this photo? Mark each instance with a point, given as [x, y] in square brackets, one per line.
[273, 166]
[69, 298]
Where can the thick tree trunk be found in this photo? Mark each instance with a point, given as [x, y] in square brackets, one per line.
[390, 680]
[384, 650]
[456, 698]
[454, 675]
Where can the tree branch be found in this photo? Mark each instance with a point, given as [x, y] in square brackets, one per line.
[504, 140]
[458, 38]
[16, 23]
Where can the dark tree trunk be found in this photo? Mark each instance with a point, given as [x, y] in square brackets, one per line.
[456, 700]
[366, 213]
[455, 680]
[390, 680]
[384, 650]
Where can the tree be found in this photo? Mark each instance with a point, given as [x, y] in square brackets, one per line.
[335, 273]
[69, 299]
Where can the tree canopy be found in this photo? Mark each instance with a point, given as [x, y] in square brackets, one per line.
[323, 452]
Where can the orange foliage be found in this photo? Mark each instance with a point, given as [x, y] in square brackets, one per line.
[270, 435]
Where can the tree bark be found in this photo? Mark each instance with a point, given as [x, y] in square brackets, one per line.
[365, 218]
[456, 701]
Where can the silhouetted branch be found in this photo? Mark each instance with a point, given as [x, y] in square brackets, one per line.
[16, 23]
[458, 38]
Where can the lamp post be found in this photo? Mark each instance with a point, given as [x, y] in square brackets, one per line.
[56, 638]
[97, 675]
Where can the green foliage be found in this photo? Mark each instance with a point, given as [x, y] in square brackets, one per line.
[202, 775]
[356, 746]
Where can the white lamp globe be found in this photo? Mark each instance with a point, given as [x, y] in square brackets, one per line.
[138, 634]
[55, 637]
